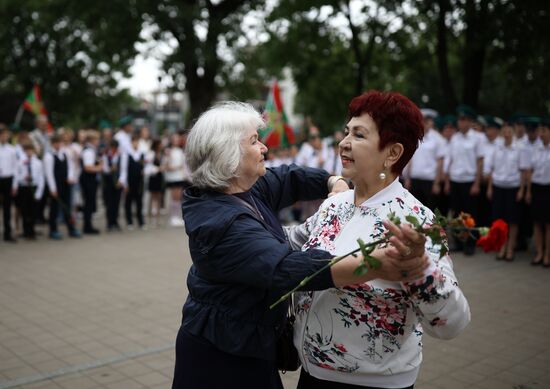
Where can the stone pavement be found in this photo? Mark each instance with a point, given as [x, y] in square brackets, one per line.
[103, 312]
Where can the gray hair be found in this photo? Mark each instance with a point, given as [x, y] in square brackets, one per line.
[213, 148]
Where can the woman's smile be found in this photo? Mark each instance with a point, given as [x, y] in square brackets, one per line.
[346, 160]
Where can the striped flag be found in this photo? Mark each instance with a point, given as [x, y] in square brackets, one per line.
[34, 104]
[277, 132]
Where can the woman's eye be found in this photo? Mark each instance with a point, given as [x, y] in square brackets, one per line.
[359, 135]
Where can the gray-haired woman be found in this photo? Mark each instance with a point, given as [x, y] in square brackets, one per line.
[242, 261]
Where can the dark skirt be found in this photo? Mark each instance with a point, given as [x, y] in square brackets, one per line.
[155, 183]
[540, 204]
[307, 381]
[505, 205]
[200, 365]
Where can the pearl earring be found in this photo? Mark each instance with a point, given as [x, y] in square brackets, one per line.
[383, 175]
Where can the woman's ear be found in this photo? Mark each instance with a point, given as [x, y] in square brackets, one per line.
[395, 151]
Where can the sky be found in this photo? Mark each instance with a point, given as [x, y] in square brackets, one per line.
[144, 80]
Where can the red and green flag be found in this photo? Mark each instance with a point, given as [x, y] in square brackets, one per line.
[33, 102]
[277, 132]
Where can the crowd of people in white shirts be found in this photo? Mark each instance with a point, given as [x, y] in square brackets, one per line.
[481, 165]
[65, 174]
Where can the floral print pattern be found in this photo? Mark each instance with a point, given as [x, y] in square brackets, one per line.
[344, 328]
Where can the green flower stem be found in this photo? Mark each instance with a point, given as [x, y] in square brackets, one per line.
[329, 264]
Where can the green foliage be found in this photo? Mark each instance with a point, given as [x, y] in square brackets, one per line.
[495, 53]
[76, 53]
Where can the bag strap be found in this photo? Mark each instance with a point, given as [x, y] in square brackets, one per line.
[254, 208]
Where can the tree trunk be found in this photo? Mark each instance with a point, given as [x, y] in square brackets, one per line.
[474, 51]
[442, 62]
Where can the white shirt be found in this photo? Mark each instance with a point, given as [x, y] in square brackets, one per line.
[89, 156]
[465, 150]
[527, 150]
[177, 168]
[8, 160]
[114, 160]
[144, 145]
[310, 157]
[423, 164]
[37, 175]
[540, 163]
[522, 141]
[73, 151]
[333, 163]
[506, 170]
[124, 162]
[488, 150]
[49, 167]
[19, 151]
[124, 141]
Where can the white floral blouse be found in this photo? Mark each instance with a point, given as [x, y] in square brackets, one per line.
[371, 334]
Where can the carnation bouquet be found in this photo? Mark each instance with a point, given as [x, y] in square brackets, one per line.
[463, 227]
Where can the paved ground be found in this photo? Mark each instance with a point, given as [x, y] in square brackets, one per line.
[102, 312]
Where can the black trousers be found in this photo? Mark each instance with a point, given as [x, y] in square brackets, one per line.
[5, 194]
[307, 381]
[525, 224]
[200, 365]
[422, 190]
[134, 195]
[89, 194]
[463, 201]
[61, 203]
[27, 207]
[111, 198]
[484, 207]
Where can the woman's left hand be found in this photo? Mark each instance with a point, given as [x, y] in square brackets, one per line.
[338, 186]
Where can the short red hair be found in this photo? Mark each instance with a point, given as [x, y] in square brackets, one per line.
[398, 120]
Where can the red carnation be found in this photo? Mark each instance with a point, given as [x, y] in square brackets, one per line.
[495, 238]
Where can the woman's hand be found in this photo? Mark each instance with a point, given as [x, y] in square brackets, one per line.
[405, 259]
[337, 184]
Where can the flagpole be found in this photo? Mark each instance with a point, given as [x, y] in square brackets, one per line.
[19, 115]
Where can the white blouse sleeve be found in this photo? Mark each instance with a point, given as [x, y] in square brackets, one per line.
[439, 303]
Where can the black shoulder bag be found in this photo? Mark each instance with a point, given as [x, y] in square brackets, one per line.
[287, 355]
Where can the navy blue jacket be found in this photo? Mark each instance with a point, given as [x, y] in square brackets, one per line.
[240, 267]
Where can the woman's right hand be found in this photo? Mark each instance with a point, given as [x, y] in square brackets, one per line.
[399, 270]
[405, 259]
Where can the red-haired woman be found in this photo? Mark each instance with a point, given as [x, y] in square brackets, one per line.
[369, 335]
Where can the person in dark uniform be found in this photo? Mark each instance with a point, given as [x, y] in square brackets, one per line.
[59, 177]
[447, 127]
[156, 181]
[131, 179]
[110, 184]
[8, 183]
[506, 188]
[531, 142]
[424, 172]
[30, 183]
[463, 182]
[91, 166]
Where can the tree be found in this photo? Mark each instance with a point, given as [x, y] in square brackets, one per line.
[330, 62]
[479, 39]
[199, 27]
[76, 54]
